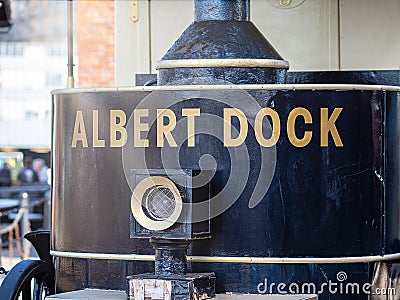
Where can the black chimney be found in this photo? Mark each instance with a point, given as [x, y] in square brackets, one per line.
[222, 44]
[221, 10]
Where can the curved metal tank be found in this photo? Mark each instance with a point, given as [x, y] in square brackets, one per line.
[326, 207]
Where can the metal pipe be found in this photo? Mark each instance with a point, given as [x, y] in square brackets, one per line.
[70, 21]
[251, 87]
[222, 63]
[221, 10]
[170, 258]
[235, 259]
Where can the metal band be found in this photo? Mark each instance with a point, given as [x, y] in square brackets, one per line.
[250, 87]
[222, 63]
[231, 259]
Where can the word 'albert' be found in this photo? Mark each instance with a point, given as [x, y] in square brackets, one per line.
[118, 133]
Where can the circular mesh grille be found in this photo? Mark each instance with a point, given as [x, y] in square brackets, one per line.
[160, 203]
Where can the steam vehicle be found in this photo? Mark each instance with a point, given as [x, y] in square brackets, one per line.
[230, 177]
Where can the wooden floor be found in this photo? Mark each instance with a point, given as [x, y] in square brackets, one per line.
[120, 295]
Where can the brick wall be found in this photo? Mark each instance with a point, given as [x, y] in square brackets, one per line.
[95, 42]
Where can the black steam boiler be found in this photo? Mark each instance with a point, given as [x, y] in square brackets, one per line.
[268, 181]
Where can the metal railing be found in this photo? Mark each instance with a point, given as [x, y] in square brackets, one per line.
[30, 197]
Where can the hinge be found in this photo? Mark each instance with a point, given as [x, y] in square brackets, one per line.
[134, 10]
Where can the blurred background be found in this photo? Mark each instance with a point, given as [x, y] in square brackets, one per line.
[33, 62]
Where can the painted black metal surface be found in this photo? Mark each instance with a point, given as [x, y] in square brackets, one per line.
[234, 75]
[222, 39]
[381, 77]
[391, 178]
[5, 13]
[221, 30]
[205, 10]
[336, 185]
[323, 201]
[40, 240]
[170, 256]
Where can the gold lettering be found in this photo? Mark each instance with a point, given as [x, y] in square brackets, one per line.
[117, 127]
[118, 133]
[276, 127]
[165, 130]
[190, 113]
[328, 125]
[228, 114]
[140, 127]
[79, 131]
[299, 111]
[96, 142]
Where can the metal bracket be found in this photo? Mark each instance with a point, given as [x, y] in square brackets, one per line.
[134, 10]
